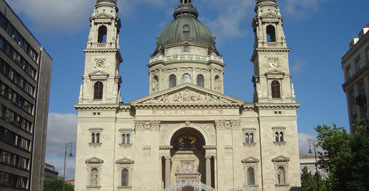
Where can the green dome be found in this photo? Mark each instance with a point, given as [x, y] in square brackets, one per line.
[186, 28]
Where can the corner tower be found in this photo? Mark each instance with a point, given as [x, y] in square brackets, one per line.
[186, 53]
[101, 79]
[272, 79]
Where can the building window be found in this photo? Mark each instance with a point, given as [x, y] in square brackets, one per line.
[358, 64]
[172, 81]
[276, 89]
[200, 80]
[281, 176]
[367, 55]
[186, 48]
[186, 78]
[279, 133]
[125, 177]
[126, 139]
[95, 136]
[249, 136]
[348, 72]
[98, 90]
[250, 176]
[186, 31]
[270, 33]
[102, 34]
[125, 166]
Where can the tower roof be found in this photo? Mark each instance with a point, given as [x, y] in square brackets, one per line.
[106, 1]
[186, 28]
[261, 1]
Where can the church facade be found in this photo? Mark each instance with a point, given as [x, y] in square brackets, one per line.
[187, 134]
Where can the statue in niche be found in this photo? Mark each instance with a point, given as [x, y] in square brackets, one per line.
[217, 83]
[155, 84]
[94, 177]
[187, 143]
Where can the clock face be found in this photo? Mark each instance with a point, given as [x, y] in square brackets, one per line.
[100, 64]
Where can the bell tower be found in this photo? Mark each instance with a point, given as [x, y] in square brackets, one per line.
[101, 79]
[272, 79]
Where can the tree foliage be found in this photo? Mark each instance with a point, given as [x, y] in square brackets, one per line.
[345, 156]
[56, 184]
[308, 182]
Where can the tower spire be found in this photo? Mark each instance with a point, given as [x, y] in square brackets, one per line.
[185, 8]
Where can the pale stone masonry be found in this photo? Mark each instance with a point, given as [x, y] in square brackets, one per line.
[355, 64]
[187, 133]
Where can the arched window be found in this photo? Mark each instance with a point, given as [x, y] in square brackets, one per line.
[186, 78]
[281, 137]
[250, 176]
[124, 139]
[200, 80]
[97, 137]
[246, 138]
[276, 89]
[98, 90]
[94, 177]
[251, 137]
[172, 81]
[186, 31]
[93, 138]
[102, 34]
[276, 137]
[128, 139]
[270, 33]
[125, 177]
[281, 176]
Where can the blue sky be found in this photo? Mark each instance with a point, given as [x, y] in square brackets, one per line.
[317, 31]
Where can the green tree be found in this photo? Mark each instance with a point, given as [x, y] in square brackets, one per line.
[345, 156]
[307, 180]
[56, 184]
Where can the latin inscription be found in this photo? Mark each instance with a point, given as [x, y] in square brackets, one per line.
[187, 112]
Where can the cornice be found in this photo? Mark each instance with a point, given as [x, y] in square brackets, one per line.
[273, 50]
[84, 107]
[100, 50]
[186, 106]
[266, 106]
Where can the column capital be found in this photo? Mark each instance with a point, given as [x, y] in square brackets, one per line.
[167, 157]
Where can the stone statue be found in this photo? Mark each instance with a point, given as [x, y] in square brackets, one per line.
[94, 177]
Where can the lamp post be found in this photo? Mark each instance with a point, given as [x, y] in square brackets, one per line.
[70, 154]
[316, 163]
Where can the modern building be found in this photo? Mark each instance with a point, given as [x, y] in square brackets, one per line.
[50, 171]
[310, 163]
[355, 64]
[25, 69]
[187, 134]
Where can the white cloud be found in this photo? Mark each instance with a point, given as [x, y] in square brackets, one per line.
[298, 66]
[62, 129]
[54, 15]
[302, 9]
[232, 15]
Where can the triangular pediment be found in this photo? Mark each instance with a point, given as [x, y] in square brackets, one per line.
[99, 73]
[94, 160]
[188, 94]
[102, 16]
[250, 160]
[281, 159]
[125, 160]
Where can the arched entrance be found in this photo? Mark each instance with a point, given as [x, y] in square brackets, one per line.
[188, 158]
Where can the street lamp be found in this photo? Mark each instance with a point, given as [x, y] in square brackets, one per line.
[70, 154]
[316, 162]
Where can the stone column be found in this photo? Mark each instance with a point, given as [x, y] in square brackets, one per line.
[167, 171]
[208, 170]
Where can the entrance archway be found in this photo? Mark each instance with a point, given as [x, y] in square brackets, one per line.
[187, 163]
[188, 157]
